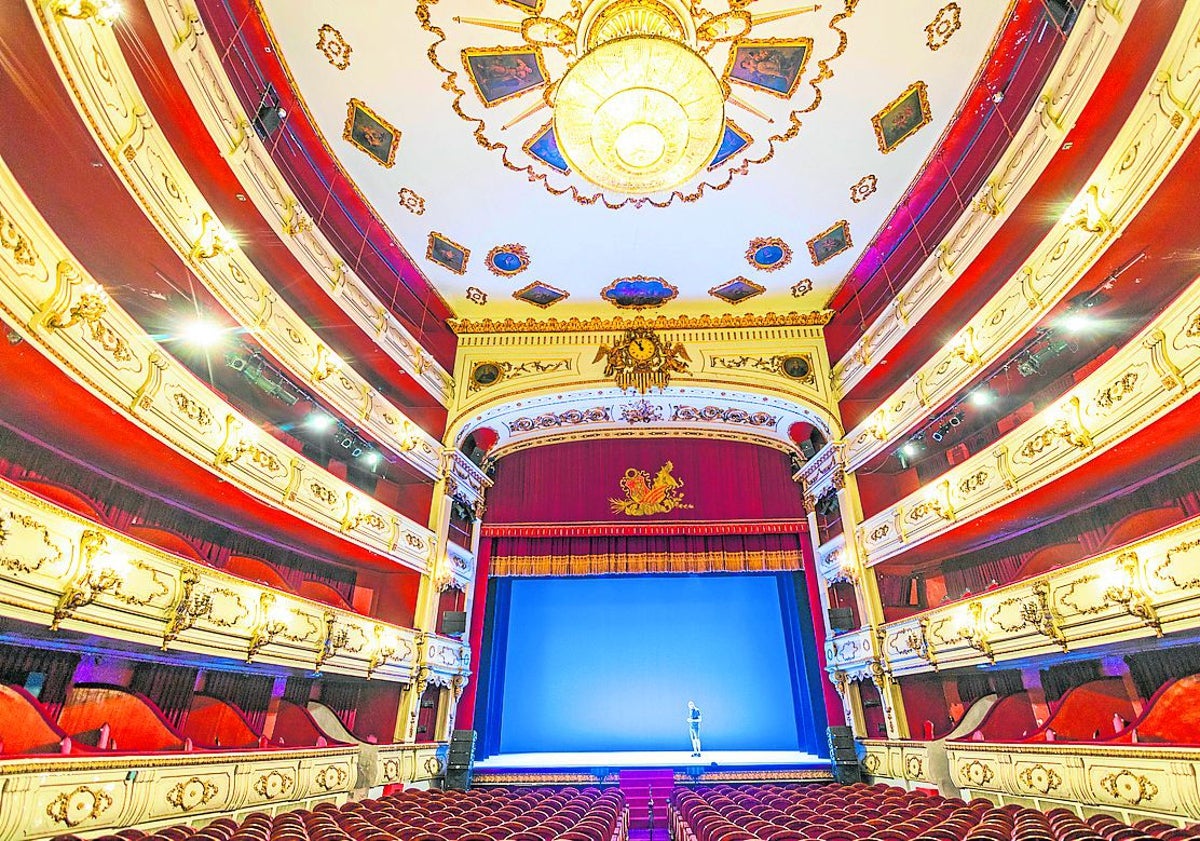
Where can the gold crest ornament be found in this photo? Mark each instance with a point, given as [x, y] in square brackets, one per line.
[643, 361]
[642, 497]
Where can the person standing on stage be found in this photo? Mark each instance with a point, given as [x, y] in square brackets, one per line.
[693, 720]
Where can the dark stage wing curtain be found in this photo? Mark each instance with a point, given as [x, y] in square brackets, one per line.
[514, 556]
[171, 688]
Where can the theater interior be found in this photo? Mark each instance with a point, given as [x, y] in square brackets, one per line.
[391, 448]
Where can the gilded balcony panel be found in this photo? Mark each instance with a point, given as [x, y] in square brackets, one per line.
[832, 562]
[1140, 590]
[53, 303]
[102, 87]
[1093, 42]
[1151, 141]
[1145, 379]
[199, 67]
[62, 571]
[905, 762]
[395, 764]
[1132, 781]
[45, 797]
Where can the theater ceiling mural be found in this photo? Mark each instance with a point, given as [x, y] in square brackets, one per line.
[504, 144]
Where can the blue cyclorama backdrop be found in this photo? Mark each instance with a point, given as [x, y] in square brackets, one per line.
[609, 663]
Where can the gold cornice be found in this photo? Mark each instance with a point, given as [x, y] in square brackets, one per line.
[816, 318]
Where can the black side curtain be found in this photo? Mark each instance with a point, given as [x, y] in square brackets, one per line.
[1152, 669]
[171, 688]
[252, 693]
[58, 667]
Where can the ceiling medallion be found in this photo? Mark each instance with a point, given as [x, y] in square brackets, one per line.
[411, 202]
[333, 46]
[476, 295]
[541, 294]
[639, 292]
[737, 290]
[768, 254]
[943, 27]
[802, 287]
[637, 89]
[507, 260]
[864, 189]
[642, 361]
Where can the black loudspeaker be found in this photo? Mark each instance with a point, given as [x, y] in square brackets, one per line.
[454, 622]
[843, 756]
[458, 779]
[841, 619]
[462, 750]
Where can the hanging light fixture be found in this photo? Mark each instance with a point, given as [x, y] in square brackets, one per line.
[641, 111]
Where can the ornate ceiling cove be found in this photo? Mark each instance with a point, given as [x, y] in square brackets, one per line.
[598, 413]
[832, 110]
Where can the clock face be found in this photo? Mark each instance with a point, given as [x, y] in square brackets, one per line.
[642, 349]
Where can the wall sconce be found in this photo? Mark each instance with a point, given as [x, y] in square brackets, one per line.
[103, 12]
[214, 239]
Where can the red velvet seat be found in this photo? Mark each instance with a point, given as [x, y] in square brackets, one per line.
[26, 728]
[132, 721]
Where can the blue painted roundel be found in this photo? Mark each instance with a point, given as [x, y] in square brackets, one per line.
[768, 255]
[506, 261]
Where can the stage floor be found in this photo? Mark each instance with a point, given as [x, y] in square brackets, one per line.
[653, 759]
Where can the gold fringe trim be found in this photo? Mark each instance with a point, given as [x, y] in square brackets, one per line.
[646, 562]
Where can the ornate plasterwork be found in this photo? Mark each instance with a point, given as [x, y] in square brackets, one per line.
[334, 47]
[864, 188]
[411, 202]
[942, 28]
[444, 28]
[596, 324]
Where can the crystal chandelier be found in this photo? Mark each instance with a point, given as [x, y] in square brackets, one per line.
[641, 111]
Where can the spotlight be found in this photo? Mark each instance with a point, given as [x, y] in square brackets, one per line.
[319, 421]
[202, 333]
[982, 397]
[372, 458]
[1075, 322]
[938, 435]
[911, 448]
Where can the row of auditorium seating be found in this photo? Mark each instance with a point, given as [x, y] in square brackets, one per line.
[99, 717]
[243, 566]
[1099, 711]
[537, 814]
[880, 813]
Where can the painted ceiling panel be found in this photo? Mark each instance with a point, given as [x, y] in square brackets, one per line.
[443, 111]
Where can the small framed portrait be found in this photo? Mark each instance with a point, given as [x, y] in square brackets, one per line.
[830, 243]
[771, 65]
[371, 133]
[447, 253]
[902, 118]
[500, 73]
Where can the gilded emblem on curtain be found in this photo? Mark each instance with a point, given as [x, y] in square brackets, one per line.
[641, 360]
[644, 497]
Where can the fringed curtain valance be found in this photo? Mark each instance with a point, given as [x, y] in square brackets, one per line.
[525, 556]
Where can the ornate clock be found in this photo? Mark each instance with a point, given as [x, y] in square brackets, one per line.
[642, 361]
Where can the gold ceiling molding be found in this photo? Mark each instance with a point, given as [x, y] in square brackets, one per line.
[1090, 48]
[195, 58]
[791, 124]
[595, 324]
[1103, 410]
[1150, 143]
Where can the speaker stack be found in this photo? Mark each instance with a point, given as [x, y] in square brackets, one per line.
[843, 756]
[460, 762]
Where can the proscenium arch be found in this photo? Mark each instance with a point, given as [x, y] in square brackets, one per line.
[554, 401]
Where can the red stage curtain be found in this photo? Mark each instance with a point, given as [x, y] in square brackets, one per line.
[645, 554]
